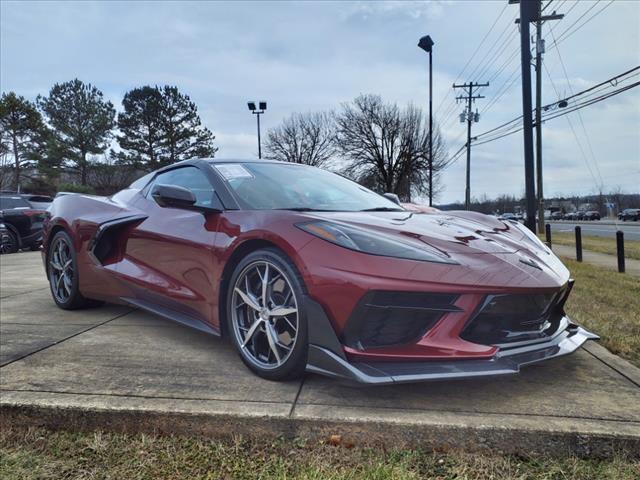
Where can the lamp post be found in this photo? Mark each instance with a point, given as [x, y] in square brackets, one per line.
[426, 44]
[262, 106]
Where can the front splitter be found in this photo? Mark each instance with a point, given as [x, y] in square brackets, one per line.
[507, 361]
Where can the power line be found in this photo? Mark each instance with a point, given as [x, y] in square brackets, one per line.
[551, 116]
[586, 134]
[564, 35]
[573, 130]
[587, 93]
[489, 51]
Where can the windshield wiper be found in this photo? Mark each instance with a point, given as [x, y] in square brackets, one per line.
[383, 209]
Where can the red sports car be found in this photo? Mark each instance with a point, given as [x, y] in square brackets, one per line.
[305, 270]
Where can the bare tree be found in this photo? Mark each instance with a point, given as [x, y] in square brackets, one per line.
[307, 138]
[388, 147]
[109, 176]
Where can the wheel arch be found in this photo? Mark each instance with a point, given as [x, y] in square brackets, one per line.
[58, 227]
[241, 251]
[15, 231]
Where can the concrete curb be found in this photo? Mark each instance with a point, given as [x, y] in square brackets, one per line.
[378, 428]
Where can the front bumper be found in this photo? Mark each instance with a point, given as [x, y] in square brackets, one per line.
[327, 358]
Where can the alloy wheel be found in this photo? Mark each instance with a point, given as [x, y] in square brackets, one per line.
[264, 315]
[61, 270]
[8, 243]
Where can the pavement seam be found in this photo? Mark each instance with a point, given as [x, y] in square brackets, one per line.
[154, 397]
[23, 293]
[295, 400]
[65, 339]
[612, 367]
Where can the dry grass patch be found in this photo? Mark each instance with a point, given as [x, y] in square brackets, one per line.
[42, 454]
[607, 303]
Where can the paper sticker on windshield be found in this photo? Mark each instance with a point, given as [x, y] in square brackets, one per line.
[231, 171]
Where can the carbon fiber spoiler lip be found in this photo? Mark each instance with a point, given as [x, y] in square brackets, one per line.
[324, 361]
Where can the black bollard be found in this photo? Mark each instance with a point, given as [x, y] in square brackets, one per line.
[547, 231]
[578, 244]
[620, 248]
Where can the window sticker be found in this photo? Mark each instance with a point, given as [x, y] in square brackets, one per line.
[231, 171]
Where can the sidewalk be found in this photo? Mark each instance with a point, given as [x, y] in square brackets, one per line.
[124, 370]
[610, 262]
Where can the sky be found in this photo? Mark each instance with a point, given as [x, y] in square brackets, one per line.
[310, 56]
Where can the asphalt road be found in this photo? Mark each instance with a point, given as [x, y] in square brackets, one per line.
[600, 229]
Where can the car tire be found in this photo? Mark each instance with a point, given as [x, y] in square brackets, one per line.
[274, 347]
[9, 242]
[62, 272]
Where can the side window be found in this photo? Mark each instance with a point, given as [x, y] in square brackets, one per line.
[191, 178]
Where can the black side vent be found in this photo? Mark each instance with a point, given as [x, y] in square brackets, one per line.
[383, 319]
[107, 244]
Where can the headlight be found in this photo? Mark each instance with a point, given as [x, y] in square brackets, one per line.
[368, 242]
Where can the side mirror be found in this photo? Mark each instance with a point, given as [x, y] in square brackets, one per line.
[393, 197]
[173, 196]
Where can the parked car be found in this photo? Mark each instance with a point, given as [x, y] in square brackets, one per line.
[23, 223]
[8, 241]
[302, 269]
[508, 216]
[38, 202]
[557, 215]
[591, 215]
[629, 214]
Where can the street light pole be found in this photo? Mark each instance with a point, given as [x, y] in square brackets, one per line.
[426, 43]
[431, 128]
[259, 142]
[262, 106]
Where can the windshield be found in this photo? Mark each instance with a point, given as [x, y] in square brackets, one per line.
[271, 186]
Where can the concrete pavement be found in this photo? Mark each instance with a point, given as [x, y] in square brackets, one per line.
[125, 370]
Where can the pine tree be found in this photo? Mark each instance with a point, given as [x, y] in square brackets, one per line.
[22, 132]
[82, 121]
[160, 126]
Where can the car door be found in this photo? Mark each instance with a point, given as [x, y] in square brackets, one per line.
[169, 262]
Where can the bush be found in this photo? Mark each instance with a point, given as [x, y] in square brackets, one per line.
[75, 188]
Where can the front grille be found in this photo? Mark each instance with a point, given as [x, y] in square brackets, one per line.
[504, 319]
[383, 319]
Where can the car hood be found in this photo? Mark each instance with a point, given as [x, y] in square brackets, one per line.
[482, 243]
[449, 232]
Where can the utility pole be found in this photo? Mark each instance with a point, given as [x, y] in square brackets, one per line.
[470, 118]
[528, 12]
[539, 51]
[531, 11]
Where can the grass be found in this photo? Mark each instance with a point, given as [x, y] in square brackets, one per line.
[596, 244]
[43, 454]
[607, 303]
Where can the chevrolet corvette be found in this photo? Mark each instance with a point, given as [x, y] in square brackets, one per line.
[304, 270]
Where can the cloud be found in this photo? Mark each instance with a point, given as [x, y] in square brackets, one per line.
[305, 56]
